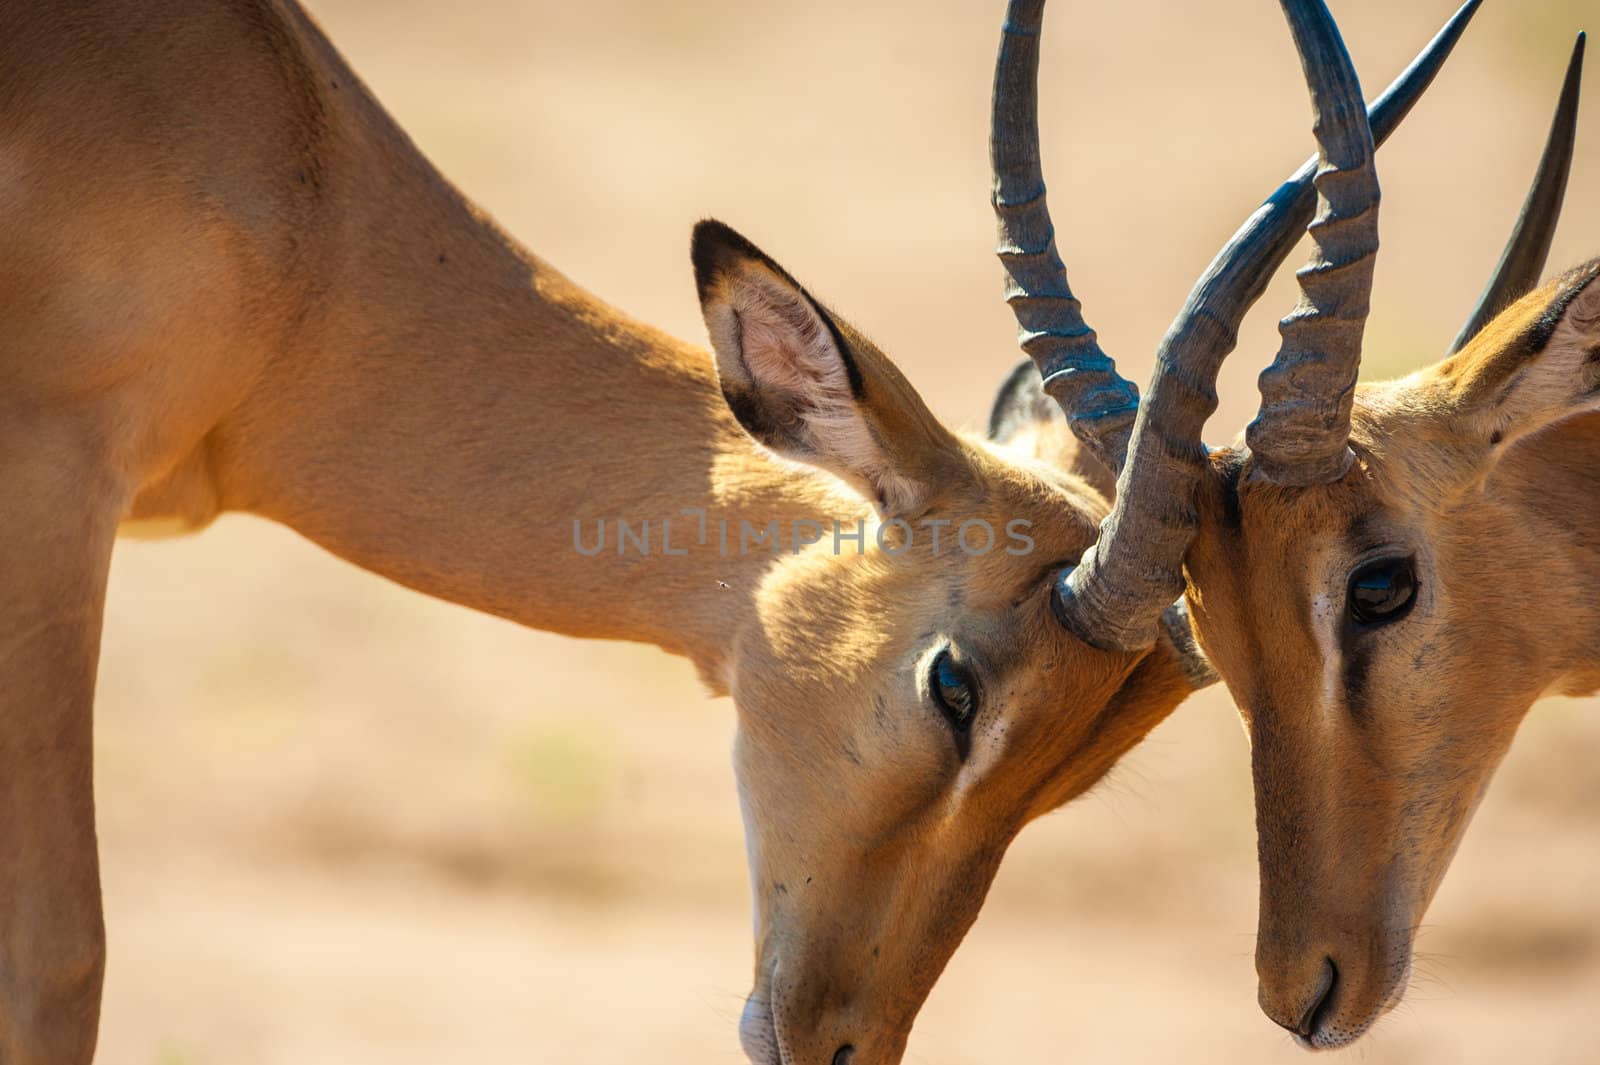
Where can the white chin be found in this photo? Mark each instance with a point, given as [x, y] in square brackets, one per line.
[758, 1035]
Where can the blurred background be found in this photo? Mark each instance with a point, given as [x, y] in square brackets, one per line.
[343, 823]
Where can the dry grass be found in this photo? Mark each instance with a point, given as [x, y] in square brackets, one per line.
[346, 824]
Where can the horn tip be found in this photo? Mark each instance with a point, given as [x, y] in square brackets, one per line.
[1463, 15]
[1457, 25]
[1574, 69]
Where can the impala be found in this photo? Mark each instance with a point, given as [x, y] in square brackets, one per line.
[1385, 577]
[1417, 561]
[262, 298]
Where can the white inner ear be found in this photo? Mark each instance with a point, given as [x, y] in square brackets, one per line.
[773, 342]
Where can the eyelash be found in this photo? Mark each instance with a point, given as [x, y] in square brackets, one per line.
[955, 692]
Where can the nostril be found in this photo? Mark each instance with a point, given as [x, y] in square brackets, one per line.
[844, 1054]
[1320, 999]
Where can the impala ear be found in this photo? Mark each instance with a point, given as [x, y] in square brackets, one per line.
[811, 388]
[1535, 364]
[1025, 421]
[1022, 414]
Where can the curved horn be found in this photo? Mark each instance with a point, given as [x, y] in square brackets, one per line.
[1523, 260]
[1135, 571]
[1099, 403]
[1302, 434]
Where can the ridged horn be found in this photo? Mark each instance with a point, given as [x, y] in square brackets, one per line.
[1523, 261]
[1098, 402]
[1135, 570]
[1302, 434]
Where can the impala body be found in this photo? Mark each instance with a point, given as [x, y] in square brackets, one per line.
[231, 283]
[261, 297]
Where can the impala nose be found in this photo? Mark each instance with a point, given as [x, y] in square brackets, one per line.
[844, 1055]
[1317, 1004]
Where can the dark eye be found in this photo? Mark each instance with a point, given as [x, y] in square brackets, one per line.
[1383, 590]
[954, 691]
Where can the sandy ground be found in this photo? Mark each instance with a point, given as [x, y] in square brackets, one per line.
[346, 824]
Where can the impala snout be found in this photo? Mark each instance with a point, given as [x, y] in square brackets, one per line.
[842, 983]
[1301, 1010]
[1334, 945]
[799, 1027]
[1328, 996]
[855, 918]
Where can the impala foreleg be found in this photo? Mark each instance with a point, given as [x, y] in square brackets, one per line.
[58, 514]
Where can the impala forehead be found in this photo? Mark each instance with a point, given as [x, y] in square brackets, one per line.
[1271, 577]
[1043, 521]
[1274, 531]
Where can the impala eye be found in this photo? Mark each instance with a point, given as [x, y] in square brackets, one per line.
[1383, 590]
[955, 693]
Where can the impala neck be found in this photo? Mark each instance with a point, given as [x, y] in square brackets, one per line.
[514, 445]
[450, 406]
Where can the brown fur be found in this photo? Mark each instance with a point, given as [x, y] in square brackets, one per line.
[1370, 749]
[231, 283]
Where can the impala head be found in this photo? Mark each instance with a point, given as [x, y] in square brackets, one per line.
[1383, 634]
[904, 711]
[1380, 612]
